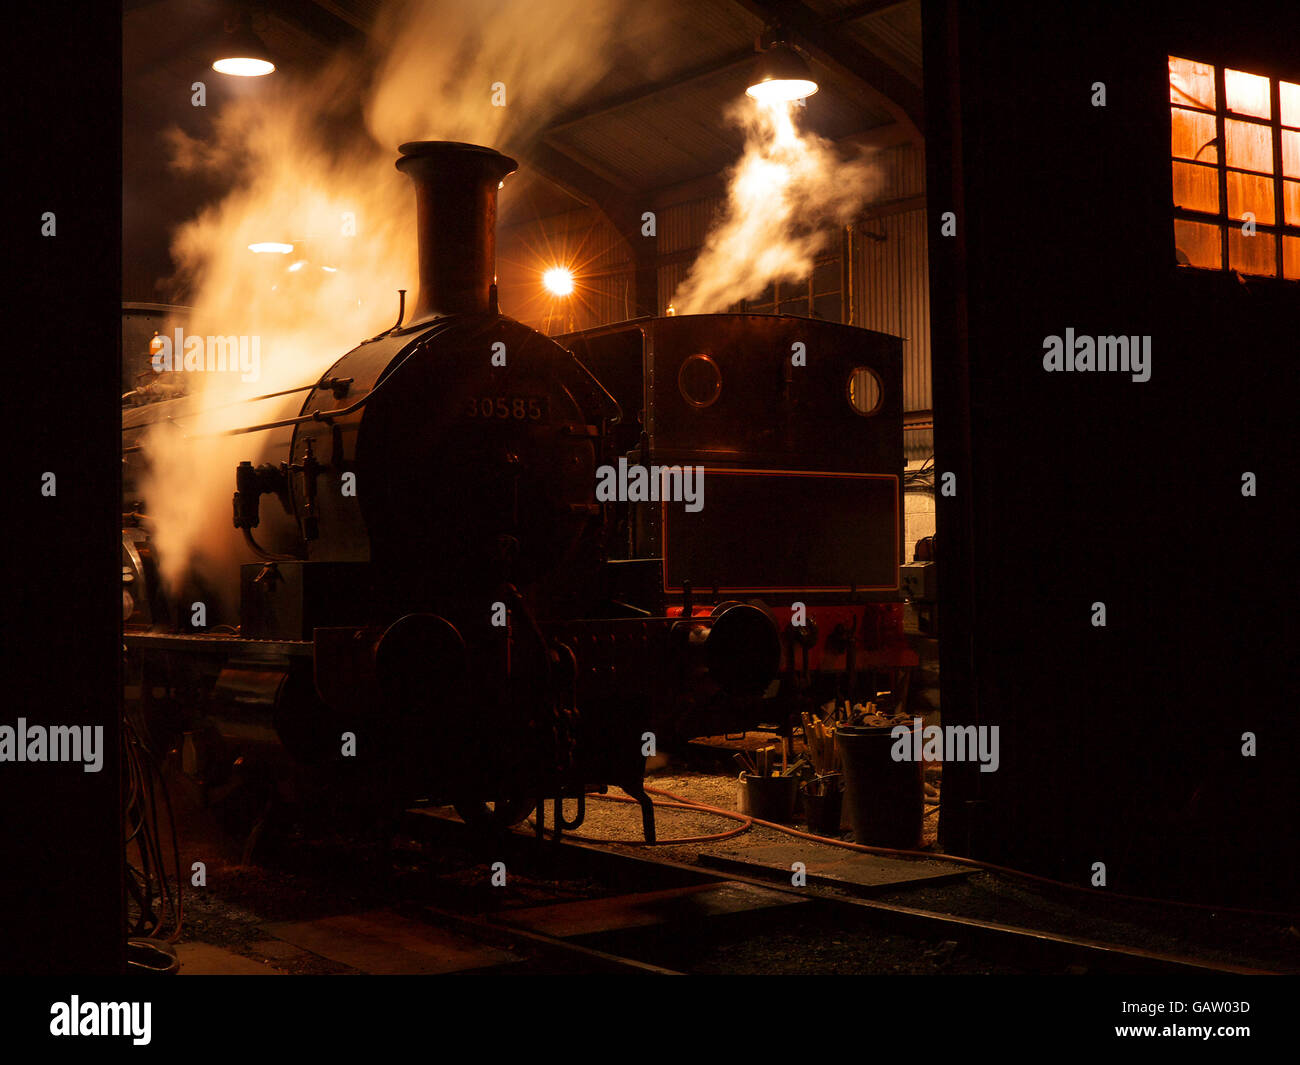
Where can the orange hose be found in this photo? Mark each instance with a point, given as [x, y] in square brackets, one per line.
[682, 805]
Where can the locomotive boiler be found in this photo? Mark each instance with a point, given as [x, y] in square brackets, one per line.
[438, 604]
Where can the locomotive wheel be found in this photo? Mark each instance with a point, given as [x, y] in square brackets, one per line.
[494, 818]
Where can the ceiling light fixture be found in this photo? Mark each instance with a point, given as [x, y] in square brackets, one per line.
[781, 74]
[241, 52]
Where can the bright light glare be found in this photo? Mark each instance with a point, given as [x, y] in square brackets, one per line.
[558, 281]
[783, 89]
[243, 66]
[298, 265]
[270, 246]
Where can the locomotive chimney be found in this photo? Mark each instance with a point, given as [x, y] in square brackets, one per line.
[456, 212]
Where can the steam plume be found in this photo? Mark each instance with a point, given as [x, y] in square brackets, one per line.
[784, 197]
[305, 171]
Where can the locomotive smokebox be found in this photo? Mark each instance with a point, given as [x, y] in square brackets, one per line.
[456, 203]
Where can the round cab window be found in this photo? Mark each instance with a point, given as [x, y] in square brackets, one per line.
[699, 381]
[865, 393]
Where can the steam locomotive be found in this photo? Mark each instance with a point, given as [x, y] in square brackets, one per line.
[440, 603]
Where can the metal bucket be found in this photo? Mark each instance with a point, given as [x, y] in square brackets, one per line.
[768, 798]
[823, 812]
[885, 798]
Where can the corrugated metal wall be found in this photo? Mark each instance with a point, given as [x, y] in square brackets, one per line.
[903, 170]
[681, 230]
[683, 226]
[891, 281]
[891, 293]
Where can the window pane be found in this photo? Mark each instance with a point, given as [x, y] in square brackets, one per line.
[864, 390]
[1198, 244]
[1250, 192]
[1252, 255]
[1250, 146]
[1291, 257]
[826, 277]
[1191, 84]
[1191, 132]
[828, 308]
[1196, 188]
[1247, 93]
[799, 307]
[1290, 153]
[1290, 103]
[1291, 202]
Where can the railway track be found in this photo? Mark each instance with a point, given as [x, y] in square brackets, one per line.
[653, 916]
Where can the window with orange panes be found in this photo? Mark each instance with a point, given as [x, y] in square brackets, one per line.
[1235, 147]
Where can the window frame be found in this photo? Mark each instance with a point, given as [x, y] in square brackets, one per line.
[1279, 229]
[784, 291]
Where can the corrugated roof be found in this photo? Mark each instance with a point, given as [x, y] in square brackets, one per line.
[657, 119]
[895, 35]
[653, 130]
[682, 132]
[674, 37]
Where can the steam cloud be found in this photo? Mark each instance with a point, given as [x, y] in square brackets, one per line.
[784, 197]
[305, 171]
[438, 63]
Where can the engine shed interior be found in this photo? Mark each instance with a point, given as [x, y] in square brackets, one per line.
[704, 487]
